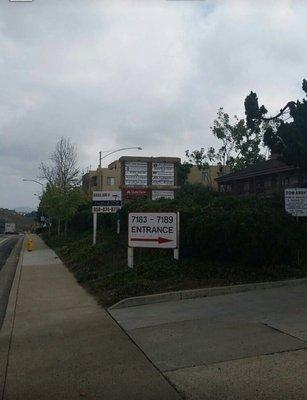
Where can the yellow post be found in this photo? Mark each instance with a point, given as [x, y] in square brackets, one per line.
[30, 245]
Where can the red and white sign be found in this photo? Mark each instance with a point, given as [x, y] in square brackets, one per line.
[134, 193]
[158, 230]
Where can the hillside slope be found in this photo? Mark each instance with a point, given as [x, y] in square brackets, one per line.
[23, 222]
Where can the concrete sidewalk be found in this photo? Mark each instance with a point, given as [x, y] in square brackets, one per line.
[57, 343]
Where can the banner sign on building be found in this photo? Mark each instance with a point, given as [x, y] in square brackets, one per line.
[162, 194]
[163, 174]
[296, 201]
[159, 230]
[136, 193]
[106, 201]
[136, 173]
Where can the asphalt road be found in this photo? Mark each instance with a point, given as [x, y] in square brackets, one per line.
[241, 346]
[7, 269]
[6, 245]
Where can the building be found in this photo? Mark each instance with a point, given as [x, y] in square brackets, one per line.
[149, 177]
[205, 176]
[263, 179]
[102, 179]
[137, 177]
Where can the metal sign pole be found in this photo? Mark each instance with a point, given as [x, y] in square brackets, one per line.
[94, 228]
[118, 224]
[298, 249]
[130, 257]
[176, 251]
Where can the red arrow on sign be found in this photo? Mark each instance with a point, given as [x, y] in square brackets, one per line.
[159, 240]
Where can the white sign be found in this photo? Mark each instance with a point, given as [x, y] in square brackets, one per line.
[296, 201]
[105, 209]
[162, 194]
[163, 174]
[159, 230]
[135, 173]
[9, 227]
[107, 195]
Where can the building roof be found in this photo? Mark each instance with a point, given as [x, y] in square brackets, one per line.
[150, 159]
[145, 159]
[267, 167]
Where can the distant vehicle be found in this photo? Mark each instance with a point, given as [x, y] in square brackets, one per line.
[9, 228]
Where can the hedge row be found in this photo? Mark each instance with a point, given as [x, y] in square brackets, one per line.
[219, 229]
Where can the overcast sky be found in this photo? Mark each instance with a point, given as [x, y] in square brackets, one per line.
[111, 74]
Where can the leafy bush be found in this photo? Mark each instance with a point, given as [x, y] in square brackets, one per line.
[222, 240]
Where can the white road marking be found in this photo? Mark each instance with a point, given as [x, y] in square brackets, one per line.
[3, 240]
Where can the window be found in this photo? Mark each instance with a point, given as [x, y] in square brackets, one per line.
[285, 182]
[94, 181]
[110, 181]
[205, 176]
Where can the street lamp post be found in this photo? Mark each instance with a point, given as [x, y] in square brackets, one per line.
[39, 183]
[115, 151]
[100, 187]
[112, 152]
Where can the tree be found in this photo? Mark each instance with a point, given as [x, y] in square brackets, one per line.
[240, 147]
[286, 132]
[62, 197]
[63, 172]
[61, 206]
[183, 172]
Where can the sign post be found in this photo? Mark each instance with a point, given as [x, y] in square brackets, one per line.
[94, 228]
[105, 201]
[296, 204]
[130, 257]
[153, 230]
[176, 251]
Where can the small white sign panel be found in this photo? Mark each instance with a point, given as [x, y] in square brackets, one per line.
[135, 173]
[163, 174]
[105, 209]
[107, 195]
[158, 230]
[296, 201]
[162, 194]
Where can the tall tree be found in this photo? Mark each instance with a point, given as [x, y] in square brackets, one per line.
[240, 146]
[61, 197]
[284, 133]
[63, 171]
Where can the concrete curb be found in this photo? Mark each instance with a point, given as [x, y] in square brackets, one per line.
[204, 292]
[8, 322]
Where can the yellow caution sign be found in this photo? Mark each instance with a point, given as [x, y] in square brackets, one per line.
[30, 245]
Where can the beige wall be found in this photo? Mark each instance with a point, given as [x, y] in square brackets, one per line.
[102, 175]
[204, 176]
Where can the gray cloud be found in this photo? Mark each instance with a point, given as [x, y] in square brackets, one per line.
[149, 73]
